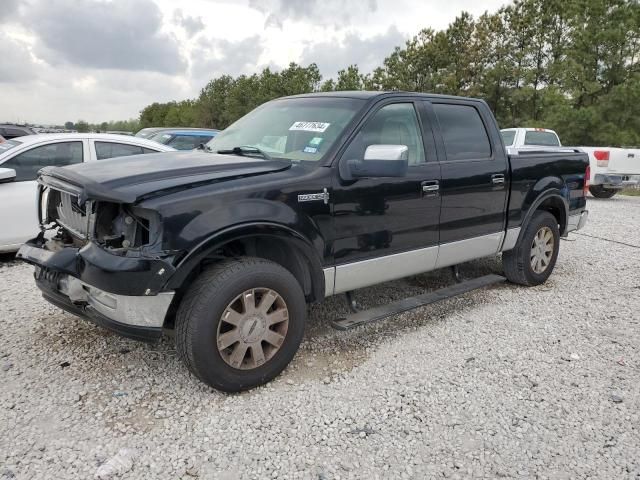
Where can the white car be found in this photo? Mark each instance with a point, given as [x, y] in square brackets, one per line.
[22, 157]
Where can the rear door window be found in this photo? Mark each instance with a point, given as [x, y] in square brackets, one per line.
[463, 132]
[106, 150]
[28, 163]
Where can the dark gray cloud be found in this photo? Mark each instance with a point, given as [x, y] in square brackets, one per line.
[214, 57]
[104, 35]
[319, 12]
[17, 65]
[191, 25]
[367, 53]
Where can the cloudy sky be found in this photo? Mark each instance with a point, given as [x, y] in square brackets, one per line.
[106, 59]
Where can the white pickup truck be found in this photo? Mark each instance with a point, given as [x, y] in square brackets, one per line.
[611, 168]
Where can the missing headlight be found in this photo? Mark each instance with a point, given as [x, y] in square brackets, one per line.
[125, 227]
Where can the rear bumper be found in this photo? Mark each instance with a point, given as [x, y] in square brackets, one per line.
[59, 276]
[576, 222]
[615, 180]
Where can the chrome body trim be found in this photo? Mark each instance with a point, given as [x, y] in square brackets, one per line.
[329, 280]
[140, 311]
[351, 276]
[356, 275]
[576, 222]
[469, 249]
[510, 239]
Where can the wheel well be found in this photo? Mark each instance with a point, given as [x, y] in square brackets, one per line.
[554, 206]
[269, 247]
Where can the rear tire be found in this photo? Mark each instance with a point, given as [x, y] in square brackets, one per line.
[599, 191]
[533, 258]
[240, 323]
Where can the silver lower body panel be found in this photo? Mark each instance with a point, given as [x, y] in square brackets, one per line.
[138, 311]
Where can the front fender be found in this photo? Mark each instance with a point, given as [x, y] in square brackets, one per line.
[252, 229]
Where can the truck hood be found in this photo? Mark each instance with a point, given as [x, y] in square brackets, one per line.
[130, 179]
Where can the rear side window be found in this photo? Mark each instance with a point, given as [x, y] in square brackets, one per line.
[547, 139]
[508, 137]
[112, 149]
[28, 163]
[463, 132]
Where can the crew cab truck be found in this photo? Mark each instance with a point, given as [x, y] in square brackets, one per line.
[304, 197]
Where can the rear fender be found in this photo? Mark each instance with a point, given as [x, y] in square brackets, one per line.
[552, 199]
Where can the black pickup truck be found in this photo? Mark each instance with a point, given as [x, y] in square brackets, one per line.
[305, 197]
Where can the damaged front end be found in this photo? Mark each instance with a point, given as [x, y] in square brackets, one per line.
[101, 260]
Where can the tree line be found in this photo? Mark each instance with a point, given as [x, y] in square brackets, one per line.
[569, 65]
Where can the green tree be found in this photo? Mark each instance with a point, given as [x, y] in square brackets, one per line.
[82, 126]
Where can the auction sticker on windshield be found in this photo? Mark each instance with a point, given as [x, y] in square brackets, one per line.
[310, 126]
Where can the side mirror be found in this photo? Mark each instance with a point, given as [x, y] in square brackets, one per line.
[381, 161]
[201, 146]
[7, 175]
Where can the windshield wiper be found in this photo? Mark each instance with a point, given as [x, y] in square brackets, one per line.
[246, 151]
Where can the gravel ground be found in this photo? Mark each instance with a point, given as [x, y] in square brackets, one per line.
[506, 382]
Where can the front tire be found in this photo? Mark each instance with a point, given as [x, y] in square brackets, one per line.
[533, 258]
[240, 323]
[599, 191]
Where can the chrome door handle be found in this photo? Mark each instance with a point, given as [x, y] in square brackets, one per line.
[430, 186]
[497, 179]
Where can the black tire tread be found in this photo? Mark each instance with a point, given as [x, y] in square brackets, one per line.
[209, 282]
[601, 192]
[513, 260]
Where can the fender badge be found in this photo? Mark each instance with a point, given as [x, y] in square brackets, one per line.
[312, 197]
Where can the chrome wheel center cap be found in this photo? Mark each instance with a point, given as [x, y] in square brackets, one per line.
[253, 329]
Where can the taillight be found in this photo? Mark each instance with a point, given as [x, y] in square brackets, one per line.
[602, 157]
[587, 176]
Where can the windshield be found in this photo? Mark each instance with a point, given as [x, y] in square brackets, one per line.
[297, 129]
[161, 137]
[8, 144]
[508, 136]
[146, 132]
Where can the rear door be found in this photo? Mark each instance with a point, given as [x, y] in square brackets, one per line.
[18, 210]
[474, 180]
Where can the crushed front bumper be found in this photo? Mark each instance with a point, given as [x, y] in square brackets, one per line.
[118, 293]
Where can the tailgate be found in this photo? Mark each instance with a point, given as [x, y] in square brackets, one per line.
[625, 161]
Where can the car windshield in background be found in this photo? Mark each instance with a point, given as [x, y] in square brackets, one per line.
[146, 132]
[546, 139]
[8, 144]
[297, 129]
[508, 136]
[161, 137]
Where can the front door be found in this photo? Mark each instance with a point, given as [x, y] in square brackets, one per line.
[387, 228]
